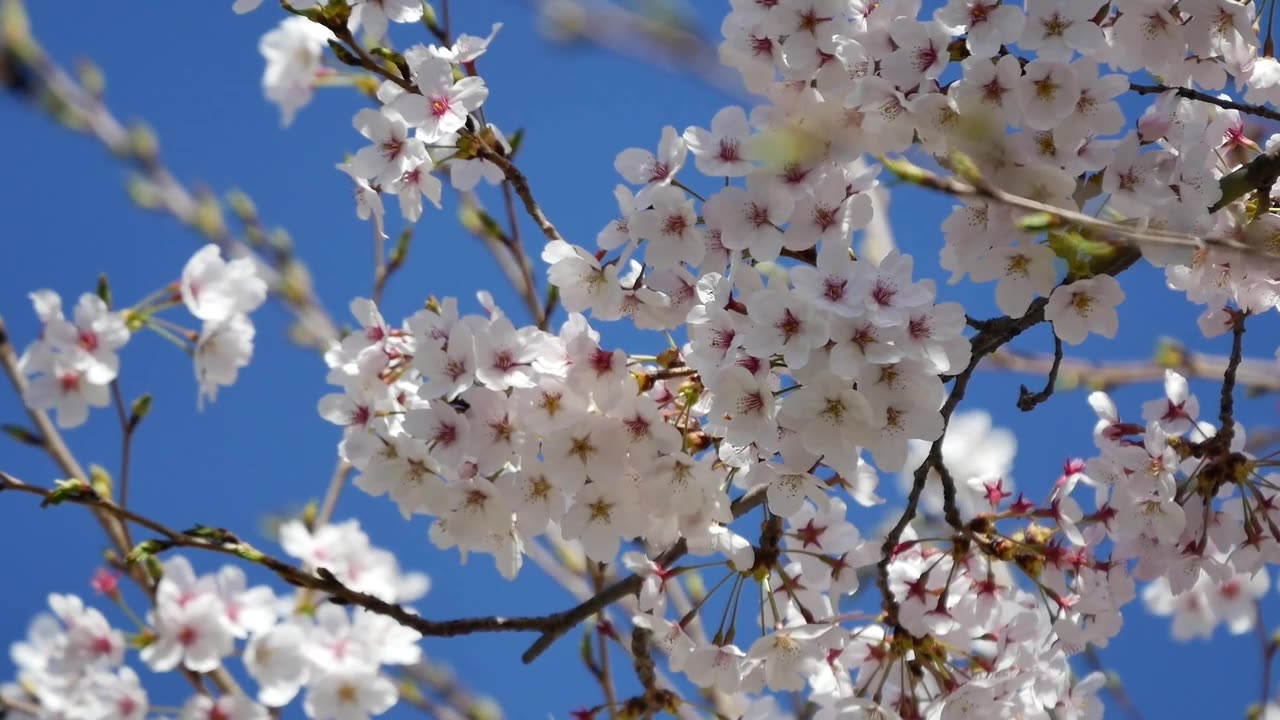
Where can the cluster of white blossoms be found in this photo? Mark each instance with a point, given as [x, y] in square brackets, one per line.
[74, 663]
[799, 356]
[73, 362]
[795, 371]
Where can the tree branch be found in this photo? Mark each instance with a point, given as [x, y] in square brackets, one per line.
[1226, 407]
[995, 333]
[1027, 400]
[1192, 94]
[1255, 374]
[225, 542]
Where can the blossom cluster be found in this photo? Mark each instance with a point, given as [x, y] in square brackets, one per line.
[795, 372]
[73, 362]
[800, 355]
[74, 666]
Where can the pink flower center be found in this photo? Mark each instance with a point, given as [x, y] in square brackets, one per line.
[761, 46]
[602, 361]
[675, 225]
[390, 149]
[751, 403]
[833, 288]
[503, 361]
[445, 434]
[69, 382]
[757, 215]
[789, 325]
[729, 150]
[883, 294]
[659, 171]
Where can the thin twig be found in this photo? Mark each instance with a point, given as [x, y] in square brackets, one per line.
[1113, 685]
[1027, 400]
[126, 448]
[336, 483]
[379, 264]
[1192, 94]
[1269, 648]
[516, 248]
[1117, 233]
[1256, 374]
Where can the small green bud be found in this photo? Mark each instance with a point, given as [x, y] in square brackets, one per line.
[139, 410]
[142, 551]
[249, 553]
[100, 481]
[345, 56]
[142, 639]
[401, 250]
[68, 489]
[154, 567]
[207, 217]
[91, 77]
[143, 193]
[104, 289]
[242, 205]
[905, 170]
[281, 241]
[515, 141]
[1039, 222]
[143, 142]
[22, 435]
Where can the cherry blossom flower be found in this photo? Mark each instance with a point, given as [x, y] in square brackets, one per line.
[373, 15]
[721, 151]
[1085, 306]
[986, 24]
[292, 52]
[443, 105]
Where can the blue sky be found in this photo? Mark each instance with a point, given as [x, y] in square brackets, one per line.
[192, 71]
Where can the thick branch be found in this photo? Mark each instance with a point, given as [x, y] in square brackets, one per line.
[1226, 408]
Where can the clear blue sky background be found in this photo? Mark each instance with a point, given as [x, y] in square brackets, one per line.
[192, 70]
